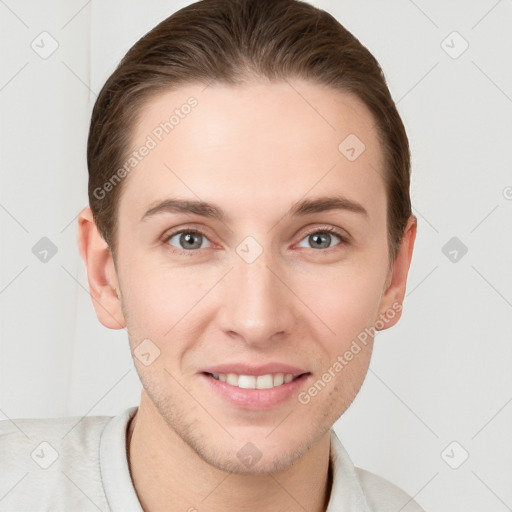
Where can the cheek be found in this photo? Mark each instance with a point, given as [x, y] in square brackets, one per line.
[158, 299]
[336, 302]
[342, 303]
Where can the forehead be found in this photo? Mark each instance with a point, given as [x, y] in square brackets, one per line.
[263, 143]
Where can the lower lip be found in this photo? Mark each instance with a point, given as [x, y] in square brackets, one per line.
[256, 399]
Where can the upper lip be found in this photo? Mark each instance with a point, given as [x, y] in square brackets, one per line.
[255, 370]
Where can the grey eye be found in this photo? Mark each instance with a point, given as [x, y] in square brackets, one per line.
[189, 240]
[320, 240]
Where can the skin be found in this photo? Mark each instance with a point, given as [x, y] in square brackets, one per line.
[253, 150]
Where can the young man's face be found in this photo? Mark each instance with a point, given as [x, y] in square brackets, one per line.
[260, 291]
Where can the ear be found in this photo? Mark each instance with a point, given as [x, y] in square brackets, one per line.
[396, 281]
[101, 272]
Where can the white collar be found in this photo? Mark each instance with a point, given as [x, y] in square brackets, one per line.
[346, 491]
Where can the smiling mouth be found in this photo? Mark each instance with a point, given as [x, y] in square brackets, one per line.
[267, 381]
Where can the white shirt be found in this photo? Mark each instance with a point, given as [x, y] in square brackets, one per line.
[80, 465]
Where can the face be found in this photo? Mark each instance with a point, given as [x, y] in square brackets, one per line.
[267, 281]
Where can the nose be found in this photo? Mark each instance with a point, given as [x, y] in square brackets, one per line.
[258, 305]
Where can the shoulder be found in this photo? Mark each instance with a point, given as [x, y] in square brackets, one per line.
[383, 496]
[49, 463]
[354, 488]
[28, 441]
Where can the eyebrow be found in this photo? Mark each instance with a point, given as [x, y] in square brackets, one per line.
[210, 210]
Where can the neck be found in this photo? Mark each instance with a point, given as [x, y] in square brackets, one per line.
[169, 476]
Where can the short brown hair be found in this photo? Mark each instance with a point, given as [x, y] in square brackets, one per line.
[230, 42]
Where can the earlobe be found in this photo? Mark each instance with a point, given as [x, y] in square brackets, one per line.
[393, 297]
[101, 272]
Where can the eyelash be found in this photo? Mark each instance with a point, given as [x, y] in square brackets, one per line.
[326, 229]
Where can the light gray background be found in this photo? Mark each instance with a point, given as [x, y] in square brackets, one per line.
[443, 374]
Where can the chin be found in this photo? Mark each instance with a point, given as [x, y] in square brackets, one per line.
[257, 451]
[250, 460]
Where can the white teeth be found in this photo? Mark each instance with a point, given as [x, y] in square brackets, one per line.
[264, 382]
[232, 379]
[278, 379]
[267, 381]
[247, 381]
